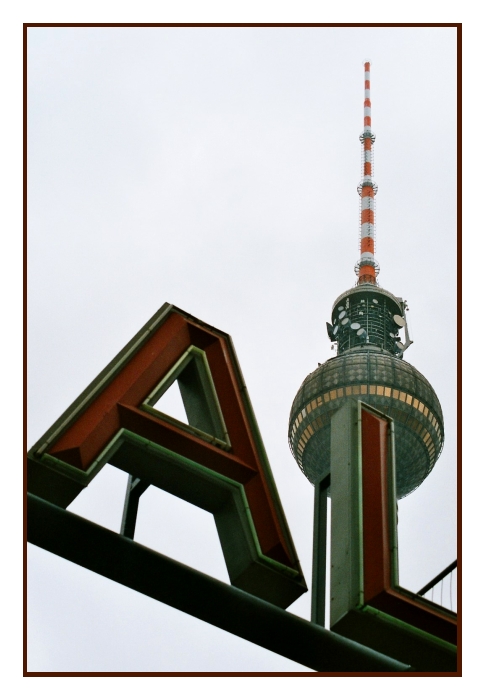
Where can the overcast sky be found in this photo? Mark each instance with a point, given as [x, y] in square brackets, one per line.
[216, 169]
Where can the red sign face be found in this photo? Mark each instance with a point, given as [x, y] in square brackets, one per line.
[118, 405]
[380, 591]
[367, 604]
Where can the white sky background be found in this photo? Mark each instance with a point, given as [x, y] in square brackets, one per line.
[216, 169]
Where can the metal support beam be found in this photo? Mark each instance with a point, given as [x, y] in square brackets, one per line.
[122, 560]
[319, 571]
[134, 489]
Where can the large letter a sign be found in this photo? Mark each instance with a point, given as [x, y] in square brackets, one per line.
[216, 462]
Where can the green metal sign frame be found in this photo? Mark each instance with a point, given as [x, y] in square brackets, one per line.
[217, 461]
[367, 603]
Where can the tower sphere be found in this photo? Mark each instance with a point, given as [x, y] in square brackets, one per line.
[366, 324]
[368, 367]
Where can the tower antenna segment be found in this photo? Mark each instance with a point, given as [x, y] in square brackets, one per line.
[367, 267]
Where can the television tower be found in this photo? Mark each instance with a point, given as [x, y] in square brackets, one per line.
[368, 325]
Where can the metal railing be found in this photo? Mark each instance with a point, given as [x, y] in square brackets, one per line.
[442, 588]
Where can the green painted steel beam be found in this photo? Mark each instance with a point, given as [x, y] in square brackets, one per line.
[130, 564]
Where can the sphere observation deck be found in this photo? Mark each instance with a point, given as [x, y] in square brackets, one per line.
[366, 324]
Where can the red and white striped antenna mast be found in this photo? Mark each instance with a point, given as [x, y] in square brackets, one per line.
[367, 268]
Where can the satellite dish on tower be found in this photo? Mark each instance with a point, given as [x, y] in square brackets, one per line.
[399, 321]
